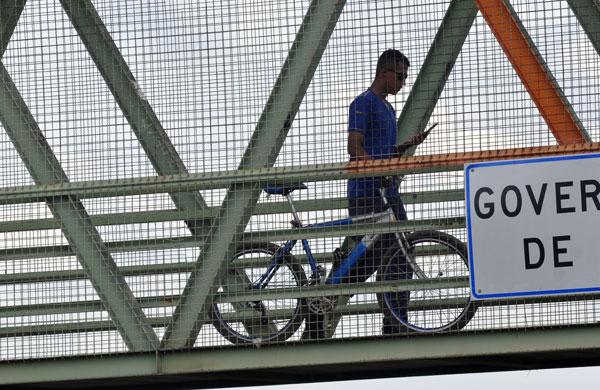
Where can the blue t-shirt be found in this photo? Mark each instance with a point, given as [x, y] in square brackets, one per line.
[375, 119]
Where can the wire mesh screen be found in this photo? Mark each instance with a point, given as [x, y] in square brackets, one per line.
[175, 174]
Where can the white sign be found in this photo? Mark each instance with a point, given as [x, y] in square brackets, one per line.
[534, 226]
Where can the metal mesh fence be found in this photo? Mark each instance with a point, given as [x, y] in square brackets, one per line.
[137, 136]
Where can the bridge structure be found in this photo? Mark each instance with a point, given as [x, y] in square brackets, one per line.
[136, 140]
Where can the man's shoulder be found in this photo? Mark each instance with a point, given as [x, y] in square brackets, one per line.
[366, 95]
[364, 98]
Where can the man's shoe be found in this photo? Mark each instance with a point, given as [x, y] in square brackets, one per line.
[390, 329]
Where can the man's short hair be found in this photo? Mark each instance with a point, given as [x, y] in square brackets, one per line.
[389, 59]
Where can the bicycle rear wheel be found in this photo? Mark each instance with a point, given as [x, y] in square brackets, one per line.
[436, 255]
[272, 319]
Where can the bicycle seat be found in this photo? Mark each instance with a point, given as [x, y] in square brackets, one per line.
[273, 189]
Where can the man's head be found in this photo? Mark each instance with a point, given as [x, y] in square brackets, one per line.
[392, 70]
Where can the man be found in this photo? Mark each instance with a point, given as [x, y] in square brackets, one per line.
[372, 136]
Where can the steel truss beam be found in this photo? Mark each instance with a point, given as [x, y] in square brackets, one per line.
[588, 14]
[85, 240]
[269, 235]
[135, 107]
[210, 212]
[314, 173]
[436, 68]
[269, 135]
[171, 300]
[10, 11]
[293, 363]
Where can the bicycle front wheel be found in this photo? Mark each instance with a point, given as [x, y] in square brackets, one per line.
[256, 321]
[434, 255]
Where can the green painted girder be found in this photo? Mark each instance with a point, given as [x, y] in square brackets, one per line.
[156, 269]
[137, 270]
[436, 68]
[138, 111]
[78, 326]
[78, 307]
[295, 362]
[161, 269]
[264, 146]
[344, 289]
[77, 228]
[258, 295]
[263, 236]
[197, 181]
[171, 301]
[210, 212]
[10, 11]
[588, 15]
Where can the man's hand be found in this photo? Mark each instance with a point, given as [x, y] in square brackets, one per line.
[415, 140]
[387, 181]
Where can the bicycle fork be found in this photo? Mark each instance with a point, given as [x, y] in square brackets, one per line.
[402, 242]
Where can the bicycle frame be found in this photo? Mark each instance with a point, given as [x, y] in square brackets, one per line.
[353, 257]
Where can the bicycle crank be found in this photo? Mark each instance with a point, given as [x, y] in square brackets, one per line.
[320, 305]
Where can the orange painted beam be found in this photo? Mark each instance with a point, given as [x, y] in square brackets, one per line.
[533, 72]
[457, 160]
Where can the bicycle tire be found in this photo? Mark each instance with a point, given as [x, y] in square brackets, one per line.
[430, 311]
[257, 325]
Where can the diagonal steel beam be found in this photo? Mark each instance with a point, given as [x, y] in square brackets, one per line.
[135, 107]
[265, 144]
[588, 15]
[76, 225]
[10, 11]
[438, 64]
[444, 162]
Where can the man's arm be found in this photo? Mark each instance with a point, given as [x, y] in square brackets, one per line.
[355, 147]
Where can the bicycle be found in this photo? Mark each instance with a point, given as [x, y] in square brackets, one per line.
[430, 254]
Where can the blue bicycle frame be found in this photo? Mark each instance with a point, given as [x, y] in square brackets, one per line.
[346, 265]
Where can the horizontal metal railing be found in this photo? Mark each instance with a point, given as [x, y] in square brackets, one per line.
[76, 326]
[210, 212]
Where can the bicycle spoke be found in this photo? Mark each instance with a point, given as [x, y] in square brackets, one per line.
[237, 281]
[436, 255]
[264, 319]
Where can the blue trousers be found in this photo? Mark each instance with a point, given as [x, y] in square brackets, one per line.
[370, 262]
[397, 269]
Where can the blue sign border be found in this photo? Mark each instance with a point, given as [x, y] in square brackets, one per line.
[468, 169]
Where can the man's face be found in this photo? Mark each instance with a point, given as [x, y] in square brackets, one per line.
[396, 78]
